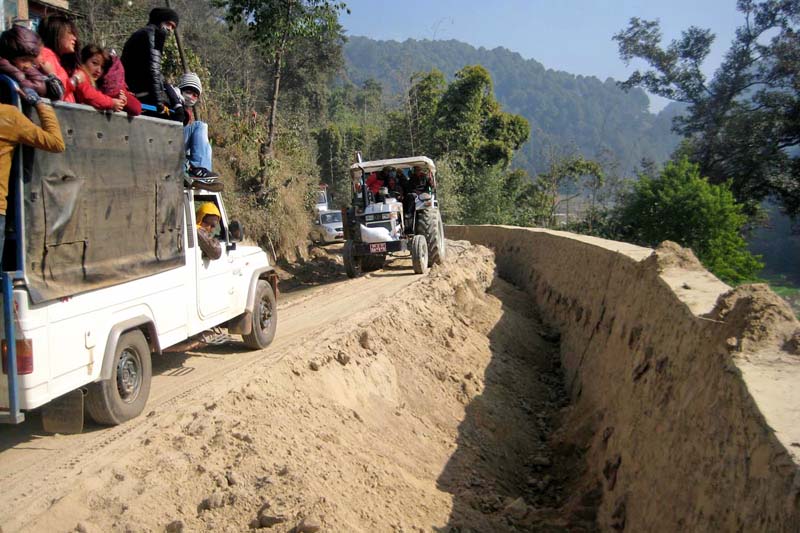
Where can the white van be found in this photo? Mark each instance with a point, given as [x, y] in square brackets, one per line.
[101, 248]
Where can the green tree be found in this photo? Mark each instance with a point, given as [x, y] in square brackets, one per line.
[424, 95]
[565, 172]
[470, 122]
[742, 125]
[278, 26]
[681, 206]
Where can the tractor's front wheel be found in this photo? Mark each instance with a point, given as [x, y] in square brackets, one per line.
[419, 254]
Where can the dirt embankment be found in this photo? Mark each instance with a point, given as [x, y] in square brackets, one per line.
[428, 412]
[685, 391]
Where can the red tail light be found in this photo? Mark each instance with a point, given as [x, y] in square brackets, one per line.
[24, 357]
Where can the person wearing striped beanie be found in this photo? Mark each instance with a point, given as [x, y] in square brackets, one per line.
[195, 132]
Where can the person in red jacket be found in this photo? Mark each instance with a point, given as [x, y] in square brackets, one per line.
[95, 64]
[93, 59]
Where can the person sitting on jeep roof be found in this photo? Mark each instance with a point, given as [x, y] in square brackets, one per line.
[195, 132]
[208, 217]
[385, 178]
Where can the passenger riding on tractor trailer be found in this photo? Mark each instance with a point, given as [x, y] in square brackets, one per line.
[103, 267]
[394, 210]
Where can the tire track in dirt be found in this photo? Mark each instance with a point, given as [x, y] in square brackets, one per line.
[35, 468]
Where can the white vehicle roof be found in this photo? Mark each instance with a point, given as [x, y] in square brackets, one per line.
[402, 162]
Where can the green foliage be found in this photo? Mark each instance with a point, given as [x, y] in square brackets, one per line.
[681, 206]
[564, 172]
[741, 126]
[302, 28]
[278, 24]
[238, 78]
[562, 109]
[460, 125]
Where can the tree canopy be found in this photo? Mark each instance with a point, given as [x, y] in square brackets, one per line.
[681, 206]
[583, 113]
[742, 125]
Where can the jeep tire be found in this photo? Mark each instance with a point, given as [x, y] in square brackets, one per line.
[123, 397]
[264, 316]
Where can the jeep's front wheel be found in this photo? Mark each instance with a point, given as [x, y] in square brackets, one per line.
[265, 318]
[123, 397]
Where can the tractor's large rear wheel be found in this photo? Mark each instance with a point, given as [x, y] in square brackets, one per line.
[429, 224]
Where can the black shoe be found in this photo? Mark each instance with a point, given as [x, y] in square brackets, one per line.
[201, 172]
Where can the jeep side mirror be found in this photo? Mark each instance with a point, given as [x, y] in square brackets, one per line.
[316, 222]
[235, 231]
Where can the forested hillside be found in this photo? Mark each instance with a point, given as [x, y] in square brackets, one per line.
[563, 109]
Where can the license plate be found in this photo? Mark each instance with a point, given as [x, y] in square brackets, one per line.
[377, 247]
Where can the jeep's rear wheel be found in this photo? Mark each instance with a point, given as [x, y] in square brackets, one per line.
[429, 224]
[351, 263]
[123, 397]
[419, 254]
[265, 318]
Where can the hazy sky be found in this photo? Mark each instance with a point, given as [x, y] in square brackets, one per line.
[570, 35]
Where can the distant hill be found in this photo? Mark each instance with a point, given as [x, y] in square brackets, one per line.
[563, 109]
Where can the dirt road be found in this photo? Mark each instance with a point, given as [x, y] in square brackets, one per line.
[389, 402]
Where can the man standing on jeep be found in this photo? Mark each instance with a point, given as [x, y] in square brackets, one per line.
[208, 217]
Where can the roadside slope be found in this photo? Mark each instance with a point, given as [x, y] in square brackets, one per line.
[684, 390]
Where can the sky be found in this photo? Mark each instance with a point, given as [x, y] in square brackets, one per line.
[569, 35]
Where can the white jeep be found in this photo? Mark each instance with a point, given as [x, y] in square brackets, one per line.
[102, 253]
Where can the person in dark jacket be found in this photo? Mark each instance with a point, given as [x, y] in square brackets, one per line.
[19, 60]
[141, 57]
[418, 182]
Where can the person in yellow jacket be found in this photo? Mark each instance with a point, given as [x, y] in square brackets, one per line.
[16, 128]
[208, 217]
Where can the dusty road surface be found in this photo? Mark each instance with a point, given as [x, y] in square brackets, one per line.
[391, 402]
